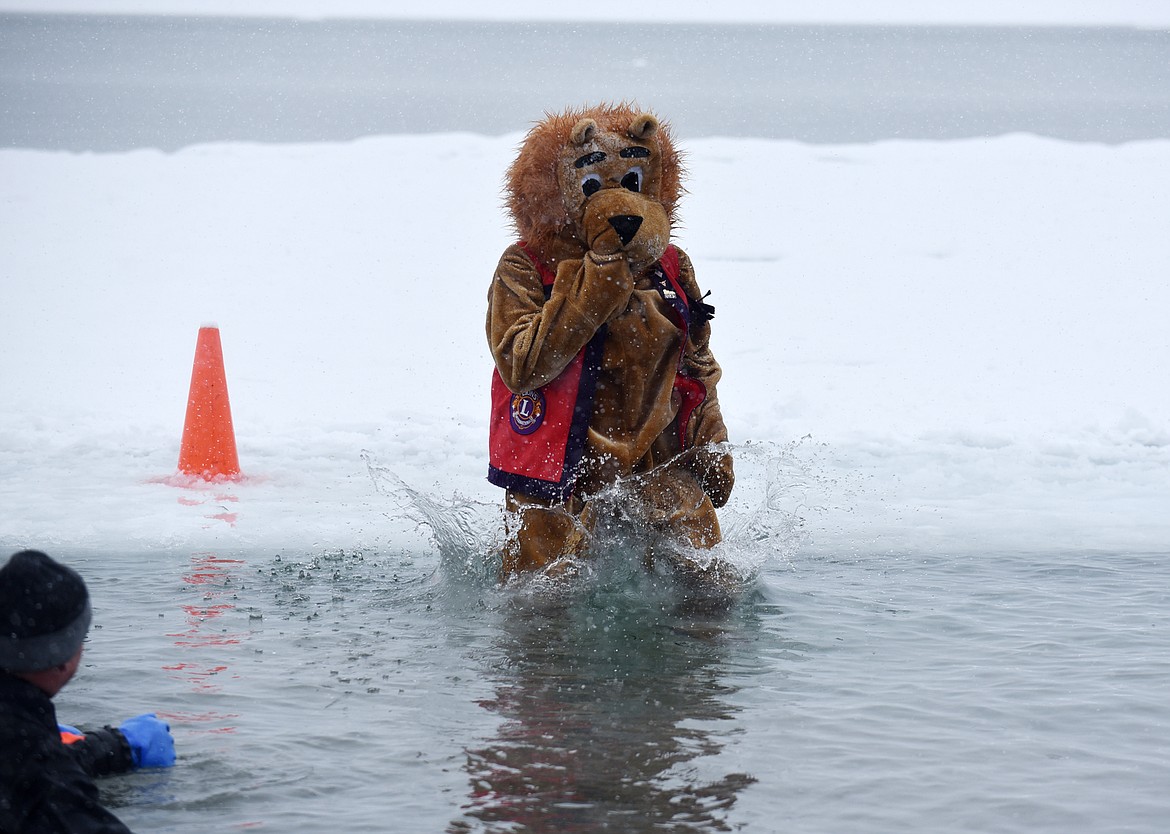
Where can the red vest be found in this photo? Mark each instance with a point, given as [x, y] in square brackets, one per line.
[536, 440]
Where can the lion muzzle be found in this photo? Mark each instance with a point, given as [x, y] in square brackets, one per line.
[626, 226]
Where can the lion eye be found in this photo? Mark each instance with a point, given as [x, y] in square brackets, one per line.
[590, 185]
[633, 180]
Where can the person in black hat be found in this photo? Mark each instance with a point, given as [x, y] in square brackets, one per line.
[46, 785]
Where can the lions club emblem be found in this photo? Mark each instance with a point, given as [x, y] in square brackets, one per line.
[527, 412]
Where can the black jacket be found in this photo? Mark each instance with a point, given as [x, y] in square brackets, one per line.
[44, 789]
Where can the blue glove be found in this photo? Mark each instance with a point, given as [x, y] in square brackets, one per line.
[151, 744]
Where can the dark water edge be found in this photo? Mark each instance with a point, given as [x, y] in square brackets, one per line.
[109, 83]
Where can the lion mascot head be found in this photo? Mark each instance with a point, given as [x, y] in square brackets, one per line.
[605, 178]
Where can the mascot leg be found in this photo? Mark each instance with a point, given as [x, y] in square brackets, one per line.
[676, 505]
[679, 509]
[545, 532]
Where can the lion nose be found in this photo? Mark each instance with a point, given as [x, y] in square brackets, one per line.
[626, 225]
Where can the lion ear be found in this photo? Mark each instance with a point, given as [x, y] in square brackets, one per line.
[643, 127]
[583, 132]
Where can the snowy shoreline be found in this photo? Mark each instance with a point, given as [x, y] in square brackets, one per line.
[971, 334]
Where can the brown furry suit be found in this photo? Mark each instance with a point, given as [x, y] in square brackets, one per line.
[593, 195]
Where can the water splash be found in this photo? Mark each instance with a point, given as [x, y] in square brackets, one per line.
[778, 487]
[467, 534]
[776, 491]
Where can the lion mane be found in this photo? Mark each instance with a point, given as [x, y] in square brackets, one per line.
[533, 193]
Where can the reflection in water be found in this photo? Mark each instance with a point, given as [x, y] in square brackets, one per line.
[203, 643]
[613, 699]
[605, 703]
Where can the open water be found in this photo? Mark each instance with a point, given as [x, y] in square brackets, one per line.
[402, 689]
[399, 689]
[390, 691]
[114, 83]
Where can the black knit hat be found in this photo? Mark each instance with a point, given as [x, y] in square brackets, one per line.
[44, 612]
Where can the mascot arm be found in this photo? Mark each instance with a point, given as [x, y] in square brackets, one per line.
[711, 465]
[532, 339]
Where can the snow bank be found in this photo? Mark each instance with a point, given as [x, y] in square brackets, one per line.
[926, 345]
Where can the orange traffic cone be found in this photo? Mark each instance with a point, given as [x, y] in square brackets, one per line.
[209, 441]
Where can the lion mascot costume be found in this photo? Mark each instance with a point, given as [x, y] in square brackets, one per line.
[600, 337]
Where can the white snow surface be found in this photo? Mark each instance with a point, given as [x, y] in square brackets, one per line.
[926, 345]
[1138, 13]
